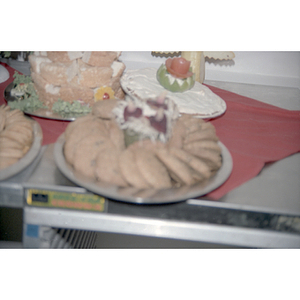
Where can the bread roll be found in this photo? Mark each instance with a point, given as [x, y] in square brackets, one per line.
[64, 56]
[100, 58]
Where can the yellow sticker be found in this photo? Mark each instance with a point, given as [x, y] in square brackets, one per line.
[45, 198]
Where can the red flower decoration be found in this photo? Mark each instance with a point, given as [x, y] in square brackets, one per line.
[178, 67]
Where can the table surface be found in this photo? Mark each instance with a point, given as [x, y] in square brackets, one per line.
[277, 187]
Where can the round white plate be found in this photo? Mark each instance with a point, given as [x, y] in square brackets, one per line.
[42, 112]
[4, 74]
[143, 196]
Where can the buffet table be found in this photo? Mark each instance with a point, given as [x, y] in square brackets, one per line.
[261, 210]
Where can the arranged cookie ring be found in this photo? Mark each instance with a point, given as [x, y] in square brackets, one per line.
[95, 147]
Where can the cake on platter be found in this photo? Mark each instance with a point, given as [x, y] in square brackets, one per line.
[68, 81]
[176, 77]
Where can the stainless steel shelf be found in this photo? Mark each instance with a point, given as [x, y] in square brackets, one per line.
[163, 228]
[192, 220]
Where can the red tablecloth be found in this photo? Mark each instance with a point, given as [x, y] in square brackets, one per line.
[255, 133]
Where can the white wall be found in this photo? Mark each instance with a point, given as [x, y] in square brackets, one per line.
[257, 67]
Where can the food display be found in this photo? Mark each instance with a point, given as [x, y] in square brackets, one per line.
[175, 75]
[151, 139]
[71, 75]
[68, 82]
[150, 119]
[141, 130]
[197, 59]
[166, 151]
[16, 136]
[199, 100]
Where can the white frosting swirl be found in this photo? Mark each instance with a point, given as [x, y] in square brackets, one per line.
[200, 100]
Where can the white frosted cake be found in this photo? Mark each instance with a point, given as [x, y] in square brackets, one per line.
[199, 100]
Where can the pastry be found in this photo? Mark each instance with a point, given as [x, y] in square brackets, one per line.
[130, 170]
[80, 132]
[85, 153]
[151, 168]
[16, 136]
[179, 171]
[107, 167]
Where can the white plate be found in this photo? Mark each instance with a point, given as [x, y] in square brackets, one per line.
[199, 100]
[4, 74]
[41, 112]
[28, 158]
[145, 196]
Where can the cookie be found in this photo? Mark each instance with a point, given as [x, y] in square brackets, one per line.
[25, 130]
[116, 135]
[22, 121]
[103, 109]
[208, 125]
[202, 144]
[86, 151]
[107, 167]
[11, 153]
[193, 162]
[192, 124]
[13, 115]
[178, 134]
[207, 134]
[2, 119]
[212, 158]
[79, 122]
[152, 169]
[178, 170]
[130, 170]
[90, 126]
[6, 142]
[6, 162]
[147, 144]
[16, 136]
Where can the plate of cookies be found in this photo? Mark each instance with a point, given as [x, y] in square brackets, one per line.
[144, 155]
[137, 195]
[20, 141]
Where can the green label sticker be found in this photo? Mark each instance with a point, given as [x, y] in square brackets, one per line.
[47, 198]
